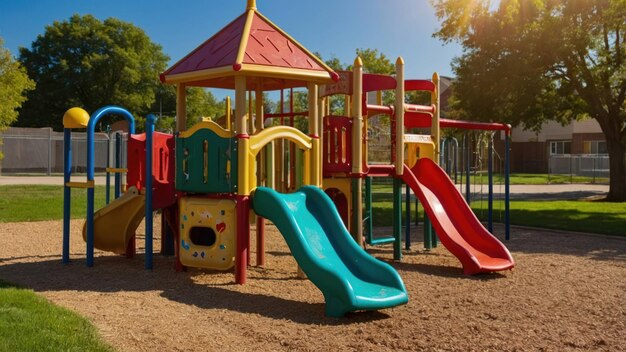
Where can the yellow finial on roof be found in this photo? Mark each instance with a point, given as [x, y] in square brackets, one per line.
[251, 5]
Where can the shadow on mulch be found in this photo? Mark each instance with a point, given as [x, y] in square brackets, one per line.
[534, 241]
[116, 274]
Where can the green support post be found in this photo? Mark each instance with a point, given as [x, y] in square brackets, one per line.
[369, 223]
[397, 218]
[428, 233]
[355, 208]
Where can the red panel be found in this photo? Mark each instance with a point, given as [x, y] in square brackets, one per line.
[455, 223]
[136, 160]
[219, 50]
[469, 125]
[162, 167]
[381, 170]
[423, 120]
[340, 200]
[419, 84]
[342, 86]
[268, 46]
[417, 120]
[337, 149]
[373, 82]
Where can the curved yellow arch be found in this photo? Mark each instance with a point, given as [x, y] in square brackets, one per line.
[260, 140]
[208, 125]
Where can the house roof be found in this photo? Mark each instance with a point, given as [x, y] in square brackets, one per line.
[253, 46]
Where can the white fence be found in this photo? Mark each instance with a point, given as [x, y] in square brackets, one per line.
[40, 151]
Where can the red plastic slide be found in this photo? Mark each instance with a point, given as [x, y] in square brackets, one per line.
[456, 225]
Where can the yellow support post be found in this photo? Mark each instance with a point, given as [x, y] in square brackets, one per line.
[241, 130]
[314, 131]
[357, 150]
[399, 111]
[229, 125]
[181, 108]
[258, 95]
[251, 124]
[435, 130]
[321, 110]
[357, 116]
[347, 105]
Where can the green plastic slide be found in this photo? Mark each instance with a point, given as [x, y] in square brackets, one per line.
[347, 275]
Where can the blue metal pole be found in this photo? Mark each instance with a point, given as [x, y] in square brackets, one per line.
[456, 159]
[490, 178]
[468, 159]
[397, 218]
[90, 191]
[91, 127]
[67, 192]
[118, 157]
[407, 220]
[507, 173]
[150, 120]
[442, 153]
[108, 174]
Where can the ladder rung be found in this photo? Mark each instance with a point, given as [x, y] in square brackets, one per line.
[116, 169]
[88, 184]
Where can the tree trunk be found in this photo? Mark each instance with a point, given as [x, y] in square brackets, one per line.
[617, 163]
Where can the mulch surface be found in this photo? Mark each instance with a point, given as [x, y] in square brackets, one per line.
[567, 292]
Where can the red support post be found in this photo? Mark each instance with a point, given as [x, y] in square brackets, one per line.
[243, 239]
[260, 241]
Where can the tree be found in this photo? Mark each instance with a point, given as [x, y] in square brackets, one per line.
[90, 63]
[14, 83]
[526, 62]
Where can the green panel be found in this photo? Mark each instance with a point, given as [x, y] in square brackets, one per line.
[206, 163]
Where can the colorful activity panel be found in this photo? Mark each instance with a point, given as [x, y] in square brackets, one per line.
[207, 233]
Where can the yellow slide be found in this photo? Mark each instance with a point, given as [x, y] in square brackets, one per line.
[115, 224]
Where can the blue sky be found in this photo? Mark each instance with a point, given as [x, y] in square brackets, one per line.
[330, 27]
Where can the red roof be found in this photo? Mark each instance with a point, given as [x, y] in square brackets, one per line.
[269, 46]
[265, 44]
[219, 50]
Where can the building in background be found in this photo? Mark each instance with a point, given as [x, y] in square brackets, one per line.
[578, 148]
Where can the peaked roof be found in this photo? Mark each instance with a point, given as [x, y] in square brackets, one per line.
[253, 46]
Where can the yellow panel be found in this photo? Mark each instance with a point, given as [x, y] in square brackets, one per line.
[259, 140]
[208, 125]
[208, 229]
[419, 150]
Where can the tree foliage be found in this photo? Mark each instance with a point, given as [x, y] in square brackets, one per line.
[14, 83]
[525, 62]
[90, 63]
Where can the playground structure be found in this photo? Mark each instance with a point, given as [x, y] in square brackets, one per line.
[222, 175]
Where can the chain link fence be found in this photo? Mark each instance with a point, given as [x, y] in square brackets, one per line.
[40, 151]
[595, 166]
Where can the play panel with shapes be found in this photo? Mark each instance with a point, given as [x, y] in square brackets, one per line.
[207, 232]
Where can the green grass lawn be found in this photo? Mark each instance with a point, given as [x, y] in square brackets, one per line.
[384, 185]
[31, 323]
[569, 215]
[42, 202]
